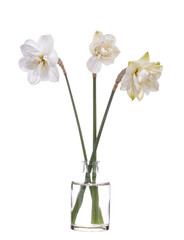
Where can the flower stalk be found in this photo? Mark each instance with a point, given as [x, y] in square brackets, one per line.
[96, 215]
[118, 80]
[94, 111]
[90, 165]
[75, 110]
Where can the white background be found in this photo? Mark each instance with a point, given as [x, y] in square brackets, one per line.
[141, 149]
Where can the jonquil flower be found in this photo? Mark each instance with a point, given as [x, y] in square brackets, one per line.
[39, 60]
[103, 50]
[141, 77]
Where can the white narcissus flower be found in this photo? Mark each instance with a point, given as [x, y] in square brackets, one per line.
[141, 77]
[39, 60]
[103, 50]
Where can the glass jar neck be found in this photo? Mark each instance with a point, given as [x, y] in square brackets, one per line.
[91, 171]
[94, 167]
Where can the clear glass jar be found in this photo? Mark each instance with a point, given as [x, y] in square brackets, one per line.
[90, 201]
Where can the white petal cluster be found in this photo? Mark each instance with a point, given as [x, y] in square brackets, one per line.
[141, 77]
[39, 60]
[103, 50]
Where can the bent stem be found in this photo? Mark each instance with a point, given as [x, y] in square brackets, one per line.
[119, 77]
[82, 189]
[96, 211]
[75, 110]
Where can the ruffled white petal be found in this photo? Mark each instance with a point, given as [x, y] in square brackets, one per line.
[107, 61]
[26, 64]
[94, 65]
[124, 84]
[141, 77]
[135, 89]
[146, 86]
[140, 95]
[98, 38]
[44, 73]
[52, 58]
[34, 76]
[115, 52]
[136, 83]
[155, 74]
[46, 44]
[31, 43]
[103, 47]
[126, 76]
[39, 60]
[126, 79]
[29, 51]
[154, 86]
[53, 74]
[110, 39]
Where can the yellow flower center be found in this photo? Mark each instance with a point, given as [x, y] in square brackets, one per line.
[43, 61]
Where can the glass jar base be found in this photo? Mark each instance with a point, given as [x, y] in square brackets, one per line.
[95, 228]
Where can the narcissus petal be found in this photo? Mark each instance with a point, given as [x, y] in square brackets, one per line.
[141, 77]
[40, 60]
[94, 65]
[103, 49]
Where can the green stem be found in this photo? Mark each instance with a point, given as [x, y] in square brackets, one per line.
[75, 110]
[96, 214]
[79, 200]
[100, 132]
[77, 119]
[119, 77]
[80, 196]
[78, 204]
[94, 112]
